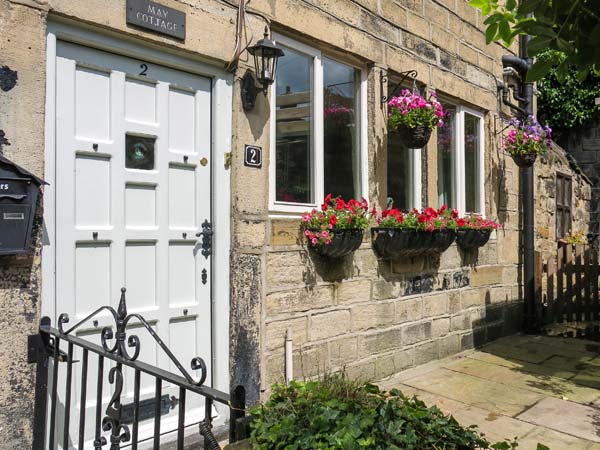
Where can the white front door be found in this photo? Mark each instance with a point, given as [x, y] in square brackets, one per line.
[132, 190]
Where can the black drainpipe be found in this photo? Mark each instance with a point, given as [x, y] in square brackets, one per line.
[528, 209]
[522, 64]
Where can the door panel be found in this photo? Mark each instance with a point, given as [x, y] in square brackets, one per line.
[131, 194]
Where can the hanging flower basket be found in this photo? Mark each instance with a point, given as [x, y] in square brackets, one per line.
[392, 243]
[416, 137]
[343, 243]
[413, 117]
[524, 160]
[473, 231]
[471, 239]
[526, 140]
[336, 230]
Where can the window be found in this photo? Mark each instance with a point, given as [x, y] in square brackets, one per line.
[460, 156]
[316, 131]
[563, 205]
[403, 169]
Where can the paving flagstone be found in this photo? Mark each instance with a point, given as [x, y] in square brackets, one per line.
[539, 389]
[572, 418]
[475, 391]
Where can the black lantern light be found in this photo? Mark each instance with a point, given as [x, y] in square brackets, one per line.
[265, 52]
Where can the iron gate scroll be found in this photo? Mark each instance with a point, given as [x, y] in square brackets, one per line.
[112, 429]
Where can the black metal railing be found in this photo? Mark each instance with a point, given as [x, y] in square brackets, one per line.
[111, 427]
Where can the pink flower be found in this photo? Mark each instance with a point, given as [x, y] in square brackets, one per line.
[314, 241]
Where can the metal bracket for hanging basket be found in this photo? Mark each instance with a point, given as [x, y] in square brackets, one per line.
[383, 79]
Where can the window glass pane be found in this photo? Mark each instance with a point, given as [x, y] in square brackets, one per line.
[446, 152]
[293, 135]
[472, 143]
[399, 173]
[340, 122]
[139, 152]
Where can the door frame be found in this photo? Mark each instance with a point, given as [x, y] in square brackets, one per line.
[221, 111]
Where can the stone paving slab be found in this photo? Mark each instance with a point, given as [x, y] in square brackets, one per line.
[540, 389]
[475, 391]
[544, 384]
[567, 417]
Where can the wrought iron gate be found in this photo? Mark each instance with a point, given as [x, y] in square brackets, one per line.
[110, 426]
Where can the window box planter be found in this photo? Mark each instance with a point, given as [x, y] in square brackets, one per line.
[343, 243]
[524, 160]
[390, 243]
[471, 239]
[416, 137]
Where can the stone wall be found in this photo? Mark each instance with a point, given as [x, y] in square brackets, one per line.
[22, 54]
[583, 143]
[557, 161]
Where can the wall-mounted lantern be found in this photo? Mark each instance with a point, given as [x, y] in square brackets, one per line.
[265, 53]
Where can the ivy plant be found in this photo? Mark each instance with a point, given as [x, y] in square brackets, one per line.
[336, 413]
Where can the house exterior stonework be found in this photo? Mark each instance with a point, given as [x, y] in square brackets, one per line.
[370, 317]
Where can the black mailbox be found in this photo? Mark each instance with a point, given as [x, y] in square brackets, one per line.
[18, 197]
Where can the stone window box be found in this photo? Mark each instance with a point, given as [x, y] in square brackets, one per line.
[391, 243]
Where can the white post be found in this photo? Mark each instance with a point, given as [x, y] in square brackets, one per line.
[289, 363]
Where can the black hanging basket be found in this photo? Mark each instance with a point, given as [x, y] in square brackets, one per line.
[471, 239]
[391, 243]
[344, 242]
[524, 160]
[416, 137]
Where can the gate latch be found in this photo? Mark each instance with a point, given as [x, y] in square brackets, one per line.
[207, 238]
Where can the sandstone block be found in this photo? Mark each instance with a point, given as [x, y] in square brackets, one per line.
[416, 332]
[285, 232]
[461, 321]
[409, 310]
[299, 300]
[310, 361]
[426, 352]
[372, 315]
[275, 332]
[362, 371]
[472, 297]
[485, 276]
[329, 324]
[449, 345]
[418, 25]
[440, 327]
[353, 291]
[379, 342]
[251, 233]
[343, 351]
[435, 305]
[383, 290]
[436, 14]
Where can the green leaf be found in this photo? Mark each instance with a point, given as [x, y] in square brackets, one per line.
[538, 44]
[490, 33]
[505, 33]
[511, 4]
[494, 18]
[538, 70]
[529, 6]
[478, 3]
[541, 447]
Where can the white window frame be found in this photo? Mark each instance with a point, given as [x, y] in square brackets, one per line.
[278, 208]
[458, 168]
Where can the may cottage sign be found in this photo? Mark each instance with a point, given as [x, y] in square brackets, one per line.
[155, 17]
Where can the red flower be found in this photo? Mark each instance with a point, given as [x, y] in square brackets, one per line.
[333, 220]
[339, 204]
[460, 222]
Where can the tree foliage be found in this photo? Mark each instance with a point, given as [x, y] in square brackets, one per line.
[568, 103]
[569, 27]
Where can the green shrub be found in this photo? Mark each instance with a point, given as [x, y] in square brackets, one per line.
[336, 413]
